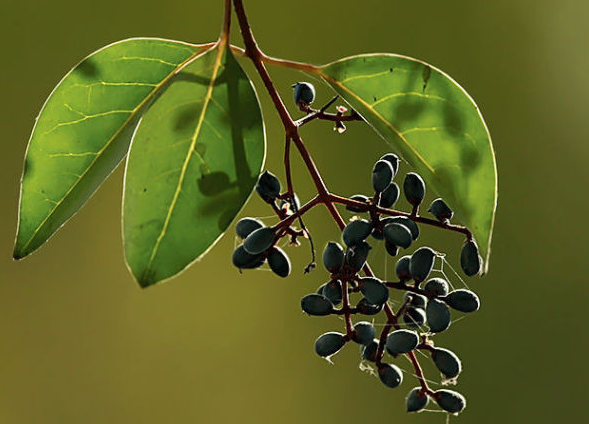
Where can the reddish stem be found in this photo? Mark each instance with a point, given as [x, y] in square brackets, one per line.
[253, 52]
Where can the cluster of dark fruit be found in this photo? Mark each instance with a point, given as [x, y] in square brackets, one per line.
[426, 305]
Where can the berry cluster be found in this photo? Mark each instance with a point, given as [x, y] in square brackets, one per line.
[425, 306]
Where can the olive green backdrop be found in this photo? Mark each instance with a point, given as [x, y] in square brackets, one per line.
[81, 343]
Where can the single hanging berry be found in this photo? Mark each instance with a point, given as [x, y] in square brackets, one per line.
[304, 93]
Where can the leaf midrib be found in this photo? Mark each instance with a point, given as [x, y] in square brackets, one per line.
[207, 99]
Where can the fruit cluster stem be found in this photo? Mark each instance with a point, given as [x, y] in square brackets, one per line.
[253, 52]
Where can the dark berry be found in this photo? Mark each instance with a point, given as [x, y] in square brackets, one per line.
[333, 257]
[259, 240]
[414, 188]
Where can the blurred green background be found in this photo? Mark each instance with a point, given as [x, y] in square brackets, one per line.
[80, 342]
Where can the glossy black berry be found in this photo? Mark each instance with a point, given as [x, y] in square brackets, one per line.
[356, 256]
[390, 375]
[440, 210]
[393, 159]
[446, 362]
[244, 260]
[401, 341]
[246, 226]
[463, 300]
[373, 290]
[470, 260]
[421, 264]
[279, 262]
[416, 400]
[397, 234]
[450, 401]
[368, 351]
[366, 308]
[382, 175]
[414, 317]
[358, 198]
[333, 257]
[329, 344]
[409, 223]
[415, 300]
[402, 268]
[268, 186]
[333, 291]
[389, 196]
[316, 304]
[259, 240]
[438, 316]
[436, 287]
[414, 188]
[356, 231]
[303, 94]
[391, 249]
[364, 333]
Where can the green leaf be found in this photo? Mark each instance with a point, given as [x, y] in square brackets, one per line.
[84, 130]
[432, 123]
[193, 163]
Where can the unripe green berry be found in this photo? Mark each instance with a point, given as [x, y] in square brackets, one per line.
[416, 400]
[366, 308]
[463, 300]
[246, 226]
[436, 287]
[244, 260]
[414, 317]
[389, 196]
[329, 344]
[333, 257]
[279, 262]
[304, 93]
[440, 210]
[364, 333]
[259, 240]
[356, 231]
[390, 375]
[393, 159]
[397, 234]
[333, 291]
[470, 261]
[438, 316]
[446, 362]
[409, 223]
[450, 401]
[358, 198]
[382, 175]
[401, 341]
[316, 304]
[356, 255]
[414, 188]
[402, 268]
[422, 262]
[268, 186]
[373, 290]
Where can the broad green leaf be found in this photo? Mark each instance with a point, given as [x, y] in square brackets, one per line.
[193, 163]
[84, 129]
[432, 123]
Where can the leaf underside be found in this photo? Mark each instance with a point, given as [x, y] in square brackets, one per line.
[433, 124]
[84, 130]
[193, 163]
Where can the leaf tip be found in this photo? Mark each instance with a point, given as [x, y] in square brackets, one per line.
[19, 254]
